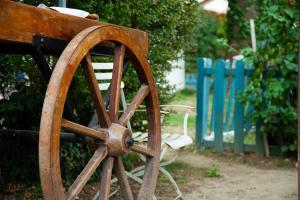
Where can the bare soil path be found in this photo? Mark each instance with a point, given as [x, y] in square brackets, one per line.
[238, 181]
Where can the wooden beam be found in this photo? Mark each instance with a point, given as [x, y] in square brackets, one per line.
[22, 22]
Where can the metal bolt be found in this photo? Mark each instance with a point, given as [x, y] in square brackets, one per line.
[129, 141]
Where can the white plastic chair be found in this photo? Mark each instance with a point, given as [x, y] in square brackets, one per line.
[103, 72]
[172, 141]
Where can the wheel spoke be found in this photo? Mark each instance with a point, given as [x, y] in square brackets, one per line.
[122, 179]
[137, 100]
[83, 130]
[142, 150]
[95, 92]
[115, 88]
[87, 172]
[106, 178]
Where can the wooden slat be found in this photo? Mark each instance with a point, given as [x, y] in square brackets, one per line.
[120, 172]
[229, 71]
[106, 178]
[142, 150]
[218, 102]
[115, 88]
[202, 100]
[239, 108]
[137, 100]
[77, 128]
[103, 66]
[227, 85]
[229, 117]
[95, 92]
[103, 76]
[230, 146]
[105, 86]
[22, 22]
[209, 71]
[87, 172]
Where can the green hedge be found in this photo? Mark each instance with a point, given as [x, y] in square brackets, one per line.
[170, 25]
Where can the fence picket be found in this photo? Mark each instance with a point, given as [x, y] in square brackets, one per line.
[206, 94]
[239, 108]
[218, 105]
[200, 104]
[223, 102]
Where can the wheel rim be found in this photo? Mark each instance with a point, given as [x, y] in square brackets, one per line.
[51, 120]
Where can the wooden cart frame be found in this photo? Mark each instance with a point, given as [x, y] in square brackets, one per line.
[39, 32]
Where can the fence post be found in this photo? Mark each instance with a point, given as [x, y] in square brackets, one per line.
[200, 105]
[239, 108]
[219, 104]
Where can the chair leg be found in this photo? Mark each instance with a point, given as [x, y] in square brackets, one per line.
[96, 196]
[165, 172]
[169, 161]
[137, 179]
[93, 121]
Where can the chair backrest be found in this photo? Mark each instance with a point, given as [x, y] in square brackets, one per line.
[103, 72]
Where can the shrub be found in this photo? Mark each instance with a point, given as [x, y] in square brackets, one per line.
[170, 25]
[273, 90]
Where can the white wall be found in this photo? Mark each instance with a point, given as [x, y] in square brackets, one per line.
[176, 76]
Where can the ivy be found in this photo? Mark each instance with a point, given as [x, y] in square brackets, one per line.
[273, 90]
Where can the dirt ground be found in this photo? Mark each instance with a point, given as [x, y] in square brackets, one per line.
[238, 181]
[242, 178]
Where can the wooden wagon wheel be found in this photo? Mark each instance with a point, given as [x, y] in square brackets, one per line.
[117, 138]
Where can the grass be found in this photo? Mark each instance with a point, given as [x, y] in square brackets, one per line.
[189, 97]
[175, 119]
[212, 171]
[185, 97]
[176, 168]
[249, 138]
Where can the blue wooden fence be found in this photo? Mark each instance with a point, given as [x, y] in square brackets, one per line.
[220, 114]
[190, 81]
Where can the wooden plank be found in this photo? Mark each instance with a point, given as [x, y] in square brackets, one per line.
[209, 71]
[200, 94]
[135, 103]
[96, 95]
[230, 146]
[120, 172]
[219, 105]
[115, 89]
[206, 96]
[228, 83]
[229, 113]
[239, 108]
[87, 172]
[226, 77]
[105, 182]
[229, 72]
[22, 22]
[86, 131]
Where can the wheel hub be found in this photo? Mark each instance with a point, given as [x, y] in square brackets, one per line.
[119, 140]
